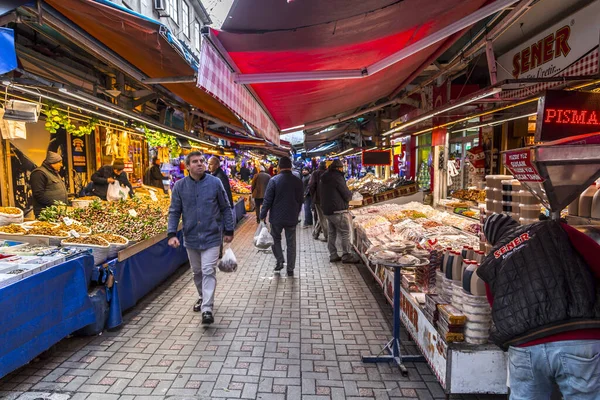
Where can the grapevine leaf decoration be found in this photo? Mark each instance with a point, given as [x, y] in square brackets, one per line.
[159, 139]
[56, 118]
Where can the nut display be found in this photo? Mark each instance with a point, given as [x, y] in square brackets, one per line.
[116, 239]
[13, 229]
[54, 232]
[10, 210]
[89, 240]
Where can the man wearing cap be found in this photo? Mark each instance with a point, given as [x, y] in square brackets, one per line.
[107, 175]
[47, 186]
[283, 201]
[543, 283]
[335, 197]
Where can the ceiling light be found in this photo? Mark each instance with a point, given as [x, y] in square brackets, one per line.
[493, 123]
[293, 128]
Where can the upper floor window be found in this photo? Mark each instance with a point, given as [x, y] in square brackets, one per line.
[185, 18]
[197, 37]
[173, 10]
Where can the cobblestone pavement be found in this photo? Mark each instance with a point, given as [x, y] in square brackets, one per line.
[274, 338]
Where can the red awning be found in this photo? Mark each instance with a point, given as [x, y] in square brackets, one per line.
[314, 35]
[138, 40]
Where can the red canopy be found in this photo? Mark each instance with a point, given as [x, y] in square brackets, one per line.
[314, 35]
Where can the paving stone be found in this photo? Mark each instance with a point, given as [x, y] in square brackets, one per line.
[274, 338]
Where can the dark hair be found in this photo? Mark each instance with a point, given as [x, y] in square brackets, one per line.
[119, 165]
[285, 163]
[154, 159]
[188, 158]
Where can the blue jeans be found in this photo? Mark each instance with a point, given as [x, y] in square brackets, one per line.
[308, 217]
[573, 364]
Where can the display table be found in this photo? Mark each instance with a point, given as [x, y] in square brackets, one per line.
[239, 210]
[460, 368]
[42, 309]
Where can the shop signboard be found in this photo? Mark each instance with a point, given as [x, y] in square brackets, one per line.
[377, 158]
[555, 49]
[520, 165]
[426, 336]
[78, 154]
[563, 114]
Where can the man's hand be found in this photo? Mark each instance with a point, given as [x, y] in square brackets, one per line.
[174, 242]
[110, 180]
[228, 239]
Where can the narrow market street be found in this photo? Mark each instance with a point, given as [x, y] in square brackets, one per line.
[274, 338]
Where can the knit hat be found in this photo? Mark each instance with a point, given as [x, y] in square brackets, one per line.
[119, 165]
[53, 158]
[496, 226]
[285, 163]
[337, 163]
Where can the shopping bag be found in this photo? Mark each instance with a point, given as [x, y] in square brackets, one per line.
[116, 192]
[228, 263]
[263, 239]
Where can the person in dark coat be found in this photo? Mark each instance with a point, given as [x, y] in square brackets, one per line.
[153, 176]
[214, 167]
[542, 282]
[308, 217]
[47, 186]
[334, 197]
[283, 202]
[245, 173]
[313, 184]
[259, 187]
[109, 174]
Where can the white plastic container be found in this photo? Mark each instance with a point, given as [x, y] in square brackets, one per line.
[100, 253]
[585, 201]
[596, 205]
[574, 207]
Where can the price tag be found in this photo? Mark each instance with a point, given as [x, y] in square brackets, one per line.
[68, 221]
[74, 233]
[153, 196]
[133, 213]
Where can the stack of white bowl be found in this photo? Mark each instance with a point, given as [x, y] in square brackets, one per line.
[479, 318]
[529, 208]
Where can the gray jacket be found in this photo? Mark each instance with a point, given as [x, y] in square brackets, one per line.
[203, 206]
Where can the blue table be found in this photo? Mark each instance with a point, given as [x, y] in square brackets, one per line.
[40, 310]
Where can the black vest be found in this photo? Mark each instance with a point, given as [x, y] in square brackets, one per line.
[55, 190]
[541, 285]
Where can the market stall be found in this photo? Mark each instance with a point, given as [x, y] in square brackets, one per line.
[448, 321]
[242, 191]
[374, 190]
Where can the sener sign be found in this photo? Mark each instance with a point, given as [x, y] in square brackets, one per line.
[564, 114]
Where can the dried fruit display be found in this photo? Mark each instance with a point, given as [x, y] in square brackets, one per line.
[53, 232]
[470, 194]
[89, 240]
[13, 229]
[40, 224]
[10, 210]
[113, 239]
[82, 230]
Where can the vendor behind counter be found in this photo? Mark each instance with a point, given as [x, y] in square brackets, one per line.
[107, 175]
[47, 186]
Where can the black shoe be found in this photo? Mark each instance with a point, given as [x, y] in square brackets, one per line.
[290, 272]
[198, 305]
[350, 259]
[278, 267]
[335, 258]
[207, 318]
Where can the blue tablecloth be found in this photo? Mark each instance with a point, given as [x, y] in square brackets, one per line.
[141, 273]
[40, 310]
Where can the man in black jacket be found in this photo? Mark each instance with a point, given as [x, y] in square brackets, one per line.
[313, 185]
[214, 167]
[335, 196]
[283, 201]
[542, 281]
[47, 186]
[308, 217]
[153, 176]
[109, 174]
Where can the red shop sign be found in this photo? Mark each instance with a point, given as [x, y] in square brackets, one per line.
[519, 164]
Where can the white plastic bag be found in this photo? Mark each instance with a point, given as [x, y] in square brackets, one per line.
[263, 239]
[357, 196]
[228, 263]
[116, 192]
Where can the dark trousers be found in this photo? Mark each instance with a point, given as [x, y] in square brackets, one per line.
[308, 217]
[257, 206]
[290, 241]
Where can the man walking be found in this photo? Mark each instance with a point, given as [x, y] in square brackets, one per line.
[314, 189]
[259, 187]
[214, 167]
[283, 201]
[334, 197]
[542, 283]
[202, 202]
